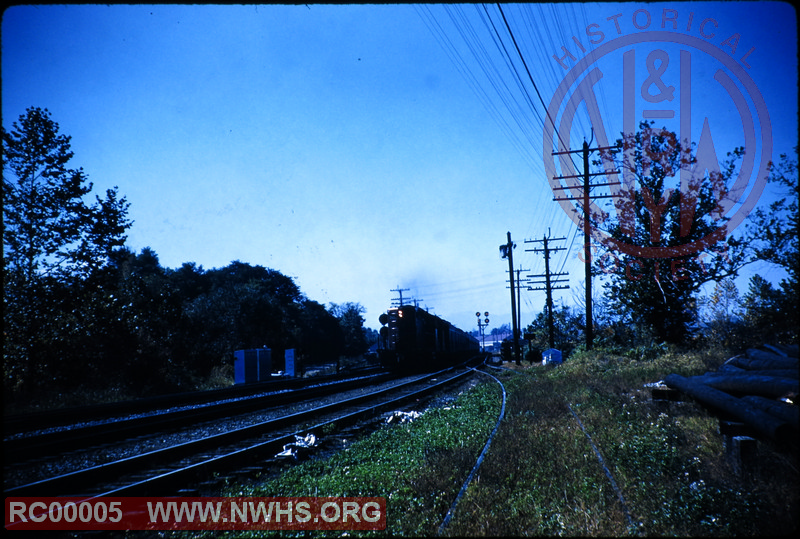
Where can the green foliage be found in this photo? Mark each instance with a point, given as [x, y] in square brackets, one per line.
[658, 294]
[533, 354]
[77, 301]
[55, 250]
[769, 314]
[775, 236]
[650, 301]
[541, 475]
[352, 327]
[85, 317]
[188, 322]
[47, 227]
[776, 230]
[568, 327]
[506, 353]
[319, 333]
[419, 467]
[722, 317]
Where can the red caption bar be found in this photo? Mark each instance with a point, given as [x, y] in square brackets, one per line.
[310, 513]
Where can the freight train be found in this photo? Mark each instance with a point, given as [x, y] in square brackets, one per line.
[414, 340]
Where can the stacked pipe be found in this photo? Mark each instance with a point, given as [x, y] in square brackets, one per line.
[758, 388]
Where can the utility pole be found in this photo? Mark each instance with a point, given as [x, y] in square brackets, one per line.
[585, 198]
[400, 291]
[506, 251]
[548, 282]
[519, 301]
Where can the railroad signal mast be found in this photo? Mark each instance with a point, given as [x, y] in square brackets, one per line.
[481, 327]
[550, 284]
[507, 251]
[585, 198]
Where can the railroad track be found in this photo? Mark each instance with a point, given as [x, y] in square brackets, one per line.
[78, 435]
[50, 419]
[175, 467]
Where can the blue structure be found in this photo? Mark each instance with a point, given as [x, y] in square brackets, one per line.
[252, 365]
[551, 355]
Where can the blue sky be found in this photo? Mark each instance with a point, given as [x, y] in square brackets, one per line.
[358, 148]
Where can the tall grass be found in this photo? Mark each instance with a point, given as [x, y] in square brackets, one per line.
[541, 476]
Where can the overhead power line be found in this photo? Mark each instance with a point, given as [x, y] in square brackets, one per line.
[549, 283]
[587, 247]
[504, 52]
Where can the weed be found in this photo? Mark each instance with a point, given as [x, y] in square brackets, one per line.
[541, 476]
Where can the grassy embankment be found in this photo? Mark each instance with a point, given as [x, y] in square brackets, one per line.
[541, 475]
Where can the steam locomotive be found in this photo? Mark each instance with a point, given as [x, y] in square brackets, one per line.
[414, 340]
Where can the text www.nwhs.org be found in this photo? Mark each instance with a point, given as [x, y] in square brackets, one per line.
[265, 512]
[301, 513]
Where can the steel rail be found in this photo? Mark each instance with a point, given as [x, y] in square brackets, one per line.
[65, 417]
[75, 438]
[614, 486]
[450, 512]
[68, 484]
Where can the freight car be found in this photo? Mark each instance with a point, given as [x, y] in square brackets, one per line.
[414, 340]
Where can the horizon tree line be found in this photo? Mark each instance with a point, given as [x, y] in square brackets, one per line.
[83, 310]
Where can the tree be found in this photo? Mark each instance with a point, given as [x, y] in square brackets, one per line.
[658, 292]
[764, 312]
[48, 228]
[723, 314]
[566, 325]
[321, 339]
[52, 241]
[352, 324]
[774, 234]
[248, 306]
